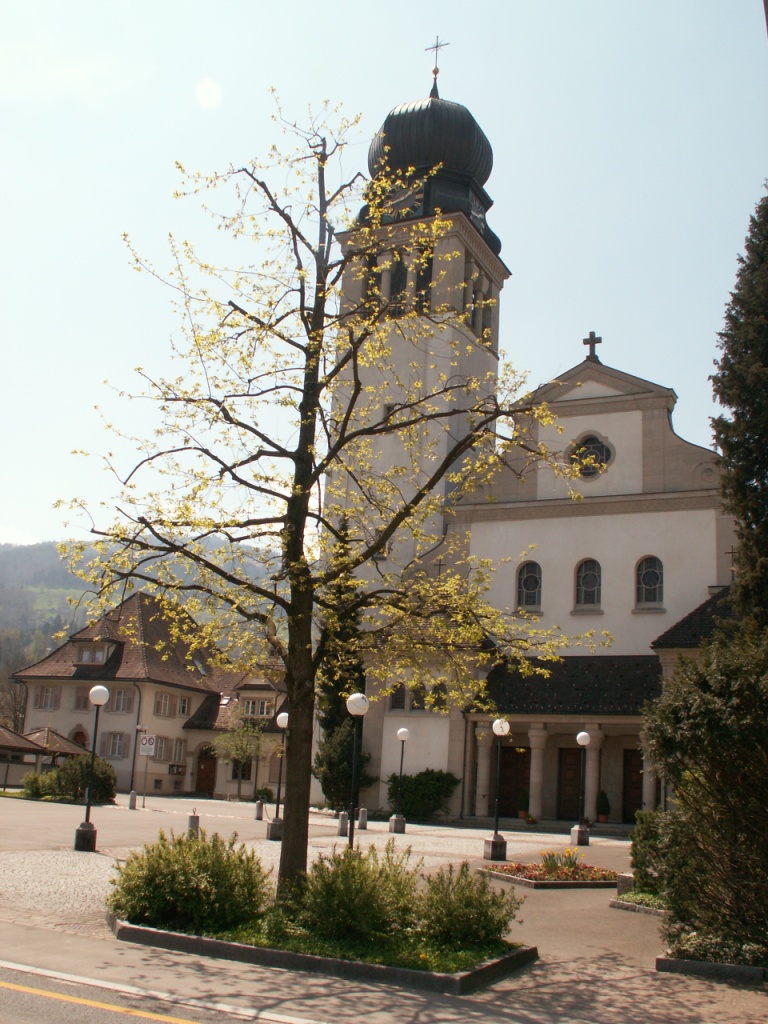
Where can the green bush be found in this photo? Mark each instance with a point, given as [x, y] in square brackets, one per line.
[424, 795]
[69, 781]
[461, 909]
[351, 894]
[264, 793]
[647, 856]
[190, 884]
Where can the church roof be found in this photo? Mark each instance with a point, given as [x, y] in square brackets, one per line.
[698, 625]
[599, 686]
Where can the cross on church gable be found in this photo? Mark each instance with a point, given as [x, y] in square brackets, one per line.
[592, 340]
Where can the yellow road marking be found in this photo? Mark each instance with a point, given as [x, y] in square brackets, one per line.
[99, 1006]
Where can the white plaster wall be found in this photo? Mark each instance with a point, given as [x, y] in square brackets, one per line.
[426, 747]
[622, 431]
[685, 541]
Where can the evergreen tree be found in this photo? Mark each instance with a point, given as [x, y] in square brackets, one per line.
[741, 386]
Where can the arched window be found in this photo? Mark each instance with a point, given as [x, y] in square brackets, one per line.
[591, 455]
[529, 585]
[649, 579]
[588, 582]
[397, 286]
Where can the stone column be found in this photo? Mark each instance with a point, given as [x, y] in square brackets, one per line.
[537, 738]
[592, 771]
[483, 791]
[649, 785]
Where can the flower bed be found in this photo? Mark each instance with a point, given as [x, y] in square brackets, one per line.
[556, 870]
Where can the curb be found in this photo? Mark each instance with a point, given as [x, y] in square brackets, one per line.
[530, 883]
[620, 904]
[449, 984]
[709, 969]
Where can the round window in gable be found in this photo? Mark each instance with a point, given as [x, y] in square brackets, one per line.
[591, 455]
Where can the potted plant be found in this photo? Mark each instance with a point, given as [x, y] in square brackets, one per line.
[603, 806]
[522, 803]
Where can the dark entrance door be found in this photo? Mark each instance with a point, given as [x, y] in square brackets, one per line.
[633, 785]
[515, 778]
[206, 772]
[568, 784]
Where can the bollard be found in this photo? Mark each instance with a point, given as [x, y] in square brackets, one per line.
[362, 818]
[193, 824]
[259, 810]
[343, 819]
[85, 838]
[132, 800]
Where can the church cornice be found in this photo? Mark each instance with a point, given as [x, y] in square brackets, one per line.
[561, 508]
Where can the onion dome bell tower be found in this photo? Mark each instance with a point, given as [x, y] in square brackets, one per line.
[442, 142]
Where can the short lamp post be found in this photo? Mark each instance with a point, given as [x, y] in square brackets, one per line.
[580, 832]
[496, 846]
[85, 833]
[275, 827]
[357, 706]
[397, 821]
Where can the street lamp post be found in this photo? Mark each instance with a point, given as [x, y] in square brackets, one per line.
[496, 846]
[275, 827]
[357, 706]
[85, 833]
[397, 821]
[580, 832]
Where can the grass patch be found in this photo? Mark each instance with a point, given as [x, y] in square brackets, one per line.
[643, 899]
[410, 950]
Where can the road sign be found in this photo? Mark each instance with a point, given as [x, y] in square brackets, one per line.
[147, 745]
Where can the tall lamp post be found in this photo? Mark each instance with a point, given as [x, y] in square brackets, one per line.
[580, 832]
[85, 833]
[496, 846]
[397, 821]
[275, 827]
[357, 706]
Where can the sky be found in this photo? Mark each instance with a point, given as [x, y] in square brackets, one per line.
[630, 143]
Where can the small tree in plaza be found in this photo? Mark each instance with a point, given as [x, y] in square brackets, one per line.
[271, 435]
[240, 744]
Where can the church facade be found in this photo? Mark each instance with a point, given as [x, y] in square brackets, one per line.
[643, 543]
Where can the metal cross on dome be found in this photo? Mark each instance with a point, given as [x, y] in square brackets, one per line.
[436, 46]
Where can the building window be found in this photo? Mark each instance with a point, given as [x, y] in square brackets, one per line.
[397, 287]
[82, 702]
[588, 583]
[649, 582]
[178, 750]
[591, 456]
[47, 698]
[121, 701]
[258, 708]
[165, 705]
[162, 748]
[114, 745]
[529, 585]
[91, 654]
[244, 767]
[397, 700]
[184, 706]
[418, 697]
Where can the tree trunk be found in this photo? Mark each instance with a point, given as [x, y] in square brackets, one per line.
[298, 776]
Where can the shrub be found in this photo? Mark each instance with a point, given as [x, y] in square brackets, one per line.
[351, 894]
[264, 793]
[190, 884]
[69, 781]
[423, 795]
[603, 804]
[459, 908]
[647, 857]
[333, 765]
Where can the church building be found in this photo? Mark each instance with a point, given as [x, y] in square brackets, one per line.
[645, 544]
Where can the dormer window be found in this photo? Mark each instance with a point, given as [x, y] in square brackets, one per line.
[93, 653]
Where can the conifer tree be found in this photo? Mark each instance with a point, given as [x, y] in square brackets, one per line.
[741, 386]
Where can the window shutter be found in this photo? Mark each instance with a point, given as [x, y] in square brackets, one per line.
[174, 707]
[38, 697]
[103, 748]
[159, 704]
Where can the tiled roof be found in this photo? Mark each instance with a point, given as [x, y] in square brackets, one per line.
[593, 685]
[10, 740]
[144, 651]
[698, 625]
[54, 742]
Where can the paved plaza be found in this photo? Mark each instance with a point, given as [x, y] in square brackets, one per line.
[596, 963]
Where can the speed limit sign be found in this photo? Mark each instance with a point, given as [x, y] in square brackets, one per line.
[147, 745]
